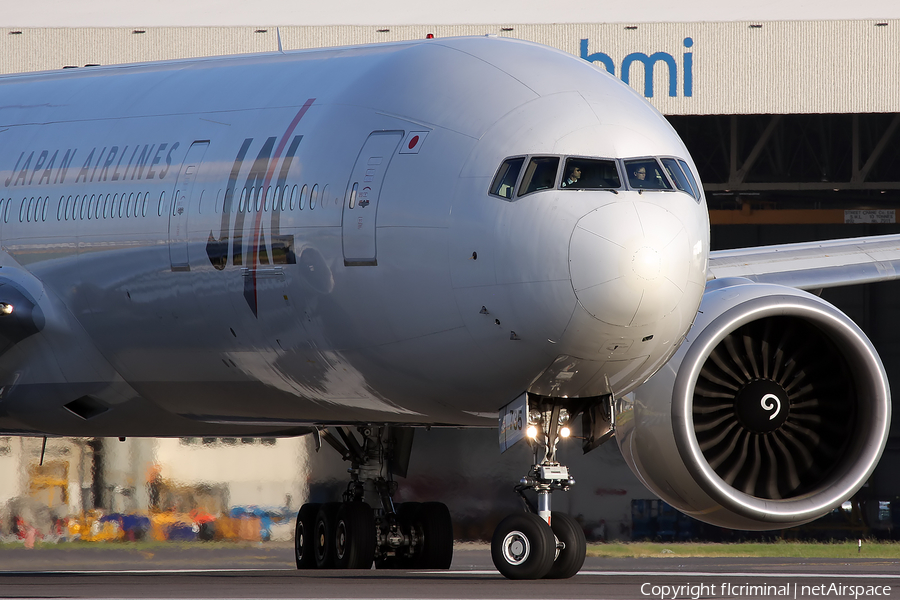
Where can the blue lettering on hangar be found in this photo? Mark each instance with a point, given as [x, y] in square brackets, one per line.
[649, 61]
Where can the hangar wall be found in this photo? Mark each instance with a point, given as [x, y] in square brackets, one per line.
[682, 68]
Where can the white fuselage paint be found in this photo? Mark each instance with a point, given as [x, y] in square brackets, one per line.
[429, 301]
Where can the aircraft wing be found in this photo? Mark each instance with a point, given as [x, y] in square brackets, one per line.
[812, 265]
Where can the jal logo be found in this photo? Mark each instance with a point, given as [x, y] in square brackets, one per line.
[649, 62]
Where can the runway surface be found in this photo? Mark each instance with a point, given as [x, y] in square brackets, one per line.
[267, 572]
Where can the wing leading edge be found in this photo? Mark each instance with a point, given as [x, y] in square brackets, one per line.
[812, 265]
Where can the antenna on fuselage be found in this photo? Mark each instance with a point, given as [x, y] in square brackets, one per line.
[278, 36]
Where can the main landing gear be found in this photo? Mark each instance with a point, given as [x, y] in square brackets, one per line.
[367, 526]
[541, 543]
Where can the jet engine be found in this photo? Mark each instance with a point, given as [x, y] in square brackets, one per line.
[773, 411]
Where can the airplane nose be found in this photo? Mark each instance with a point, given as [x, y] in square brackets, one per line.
[629, 263]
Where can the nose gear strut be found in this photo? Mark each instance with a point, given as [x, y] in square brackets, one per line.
[543, 543]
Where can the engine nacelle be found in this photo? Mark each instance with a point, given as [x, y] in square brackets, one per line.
[773, 412]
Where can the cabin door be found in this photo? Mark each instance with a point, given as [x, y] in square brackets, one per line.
[181, 203]
[361, 197]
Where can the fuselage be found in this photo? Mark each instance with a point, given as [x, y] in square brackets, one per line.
[388, 233]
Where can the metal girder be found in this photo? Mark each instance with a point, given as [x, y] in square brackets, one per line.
[859, 175]
[737, 174]
[794, 152]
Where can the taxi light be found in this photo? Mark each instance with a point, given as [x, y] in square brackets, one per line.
[531, 431]
[565, 432]
[5, 309]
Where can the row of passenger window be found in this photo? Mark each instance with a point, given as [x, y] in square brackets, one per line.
[96, 206]
[126, 205]
[285, 197]
[543, 173]
[100, 206]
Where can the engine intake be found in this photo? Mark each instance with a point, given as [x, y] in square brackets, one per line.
[773, 412]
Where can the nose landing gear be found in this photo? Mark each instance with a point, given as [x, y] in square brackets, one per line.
[541, 543]
[352, 534]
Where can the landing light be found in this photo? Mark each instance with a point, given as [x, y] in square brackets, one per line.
[531, 431]
[5, 309]
[565, 432]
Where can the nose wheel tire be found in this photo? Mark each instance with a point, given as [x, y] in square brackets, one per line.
[570, 558]
[323, 542]
[523, 547]
[354, 537]
[304, 551]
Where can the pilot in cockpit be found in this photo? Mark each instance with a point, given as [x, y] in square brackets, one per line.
[645, 176]
[573, 177]
[640, 174]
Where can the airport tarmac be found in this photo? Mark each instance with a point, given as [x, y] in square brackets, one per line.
[267, 572]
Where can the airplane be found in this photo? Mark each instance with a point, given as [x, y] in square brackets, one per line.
[354, 242]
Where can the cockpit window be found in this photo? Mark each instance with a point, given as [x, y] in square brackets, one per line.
[540, 174]
[645, 174]
[676, 175]
[690, 176]
[590, 174]
[505, 181]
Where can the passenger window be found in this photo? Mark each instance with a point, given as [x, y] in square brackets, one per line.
[293, 196]
[690, 176]
[505, 181]
[590, 174]
[645, 174]
[243, 202]
[677, 176]
[304, 190]
[540, 174]
[313, 196]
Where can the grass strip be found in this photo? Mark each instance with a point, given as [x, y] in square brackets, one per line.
[781, 549]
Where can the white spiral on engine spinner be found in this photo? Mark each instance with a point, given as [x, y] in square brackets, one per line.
[770, 406]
